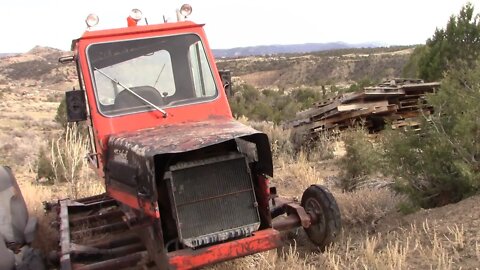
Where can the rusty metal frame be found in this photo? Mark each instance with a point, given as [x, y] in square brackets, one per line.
[93, 215]
[296, 215]
[127, 249]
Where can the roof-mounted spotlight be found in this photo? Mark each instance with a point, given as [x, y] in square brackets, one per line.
[91, 20]
[135, 16]
[184, 12]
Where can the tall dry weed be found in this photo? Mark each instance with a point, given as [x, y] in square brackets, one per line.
[69, 163]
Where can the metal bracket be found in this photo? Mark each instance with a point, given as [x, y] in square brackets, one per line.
[296, 209]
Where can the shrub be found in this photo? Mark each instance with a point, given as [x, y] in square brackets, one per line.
[361, 85]
[44, 166]
[61, 116]
[442, 165]
[323, 147]
[33, 69]
[362, 158]
[271, 105]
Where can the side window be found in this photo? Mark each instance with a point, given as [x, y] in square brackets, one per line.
[202, 76]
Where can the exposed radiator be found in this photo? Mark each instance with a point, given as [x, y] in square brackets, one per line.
[213, 200]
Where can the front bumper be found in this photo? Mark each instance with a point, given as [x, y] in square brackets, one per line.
[260, 241]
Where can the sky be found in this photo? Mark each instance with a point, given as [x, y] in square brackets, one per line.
[235, 23]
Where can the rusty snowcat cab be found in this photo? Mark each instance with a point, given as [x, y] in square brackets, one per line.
[186, 184]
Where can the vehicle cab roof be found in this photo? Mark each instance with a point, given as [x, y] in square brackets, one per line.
[135, 30]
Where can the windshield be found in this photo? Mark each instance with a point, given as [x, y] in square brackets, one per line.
[161, 72]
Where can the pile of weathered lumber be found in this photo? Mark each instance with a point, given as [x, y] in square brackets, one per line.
[397, 102]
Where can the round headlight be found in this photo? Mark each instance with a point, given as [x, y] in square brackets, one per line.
[186, 10]
[136, 14]
[91, 20]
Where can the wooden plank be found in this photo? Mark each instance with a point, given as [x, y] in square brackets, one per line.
[399, 92]
[357, 106]
[349, 115]
[395, 100]
[421, 85]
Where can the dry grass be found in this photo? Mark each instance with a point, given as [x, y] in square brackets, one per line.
[293, 174]
[404, 248]
[280, 143]
[411, 248]
[365, 207]
[286, 259]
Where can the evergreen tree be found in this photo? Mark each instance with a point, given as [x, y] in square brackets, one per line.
[458, 42]
[443, 164]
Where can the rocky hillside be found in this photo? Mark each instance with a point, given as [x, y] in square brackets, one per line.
[40, 67]
[31, 86]
[321, 68]
[37, 67]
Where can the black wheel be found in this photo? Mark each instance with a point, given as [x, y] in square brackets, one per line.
[318, 201]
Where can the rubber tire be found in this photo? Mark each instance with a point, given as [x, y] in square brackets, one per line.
[318, 199]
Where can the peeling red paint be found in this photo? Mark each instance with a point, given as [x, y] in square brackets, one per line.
[260, 241]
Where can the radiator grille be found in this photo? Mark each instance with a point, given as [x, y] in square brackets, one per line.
[214, 200]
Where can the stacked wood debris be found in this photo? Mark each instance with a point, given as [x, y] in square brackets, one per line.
[396, 102]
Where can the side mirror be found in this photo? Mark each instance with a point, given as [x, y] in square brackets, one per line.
[76, 106]
[226, 77]
[66, 59]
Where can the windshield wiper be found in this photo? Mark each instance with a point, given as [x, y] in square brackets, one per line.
[133, 93]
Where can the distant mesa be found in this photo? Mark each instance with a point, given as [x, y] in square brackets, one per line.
[292, 48]
[240, 51]
[3, 55]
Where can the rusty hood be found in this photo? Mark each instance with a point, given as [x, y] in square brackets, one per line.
[184, 137]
